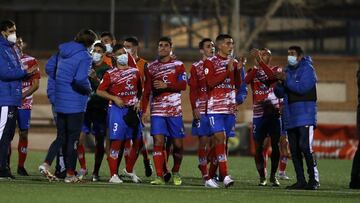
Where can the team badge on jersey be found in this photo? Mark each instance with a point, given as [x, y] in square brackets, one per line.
[206, 71]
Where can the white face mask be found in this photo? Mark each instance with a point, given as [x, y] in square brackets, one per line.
[122, 59]
[292, 60]
[128, 51]
[96, 57]
[12, 38]
[108, 48]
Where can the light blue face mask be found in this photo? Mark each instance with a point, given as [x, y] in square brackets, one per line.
[122, 59]
[96, 57]
[292, 60]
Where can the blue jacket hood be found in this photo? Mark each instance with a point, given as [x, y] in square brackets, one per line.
[69, 49]
[305, 61]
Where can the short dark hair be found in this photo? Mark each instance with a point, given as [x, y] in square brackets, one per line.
[165, 39]
[86, 37]
[133, 40]
[221, 37]
[266, 49]
[202, 42]
[117, 47]
[298, 50]
[107, 34]
[6, 24]
[101, 46]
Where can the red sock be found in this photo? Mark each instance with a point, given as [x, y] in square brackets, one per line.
[114, 156]
[81, 156]
[222, 160]
[213, 163]
[177, 156]
[133, 156]
[22, 149]
[159, 159]
[203, 163]
[283, 163]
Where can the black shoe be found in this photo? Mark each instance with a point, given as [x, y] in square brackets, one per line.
[22, 171]
[6, 174]
[312, 185]
[148, 168]
[167, 177]
[217, 178]
[274, 181]
[354, 184]
[297, 186]
[60, 175]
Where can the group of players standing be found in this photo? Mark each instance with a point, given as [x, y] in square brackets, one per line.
[123, 84]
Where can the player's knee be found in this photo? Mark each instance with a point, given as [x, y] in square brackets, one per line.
[219, 138]
[23, 135]
[178, 144]
[202, 144]
[158, 141]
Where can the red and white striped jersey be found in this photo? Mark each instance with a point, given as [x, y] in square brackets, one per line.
[198, 87]
[262, 84]
[28, 62]
[222, 85]
[164, 102]
[123, 83]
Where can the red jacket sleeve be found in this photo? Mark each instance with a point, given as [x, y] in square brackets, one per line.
[267, 70]
[147, 91]
[180, 83]
[211, 79]
[105, 83]
[193, 94]
[250, 75]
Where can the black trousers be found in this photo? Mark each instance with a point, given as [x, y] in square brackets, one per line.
[355, 170]
[8, 115]
[300, 141]
[68, 132]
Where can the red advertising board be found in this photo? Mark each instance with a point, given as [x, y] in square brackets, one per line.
[331, 141]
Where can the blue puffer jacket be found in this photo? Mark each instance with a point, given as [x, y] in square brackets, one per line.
[300, 79]
[10, 75]
[51, 66]
[72, 86]
[241, 93]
